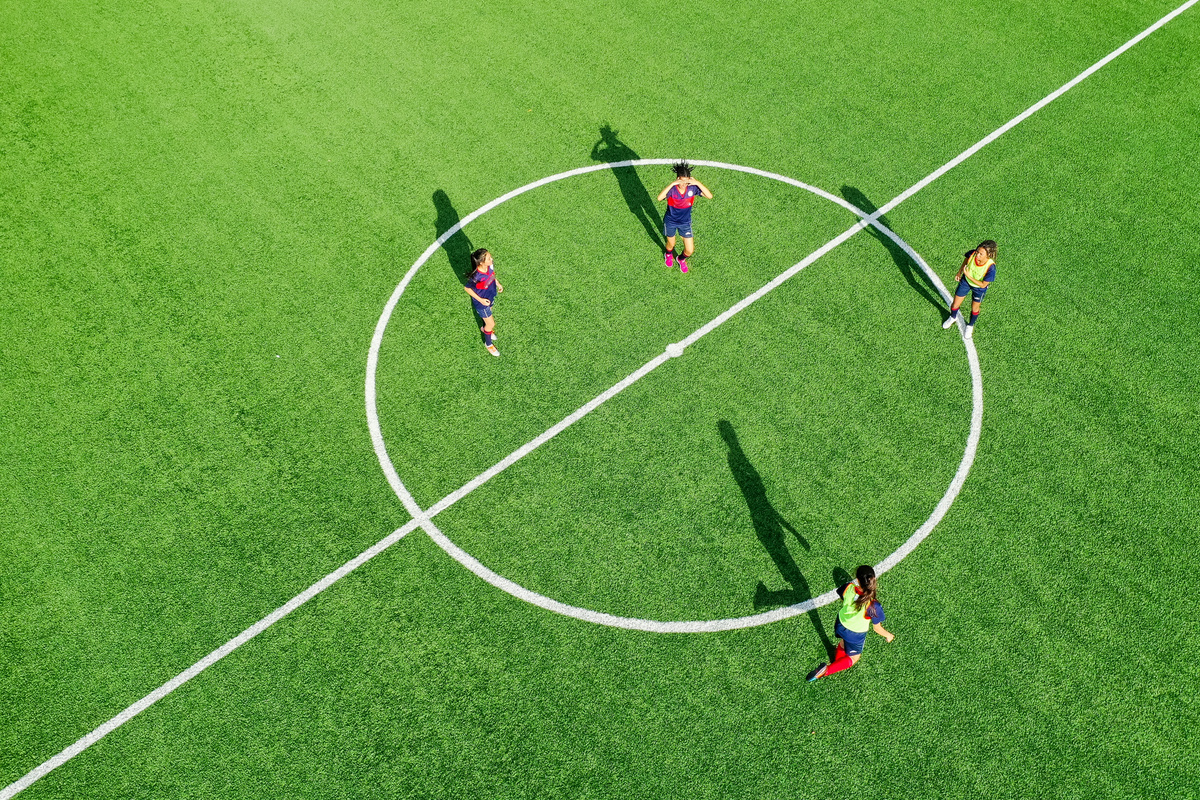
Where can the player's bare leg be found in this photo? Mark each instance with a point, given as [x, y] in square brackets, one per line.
[489, 333]
[669, 256]
[689, 247]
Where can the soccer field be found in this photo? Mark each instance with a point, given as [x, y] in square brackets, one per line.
[276, 525]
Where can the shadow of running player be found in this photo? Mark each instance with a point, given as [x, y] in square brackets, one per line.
[911, 271]
[640, 203]
[771, 529]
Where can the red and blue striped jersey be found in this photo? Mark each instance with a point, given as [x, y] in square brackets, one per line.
[682, 199]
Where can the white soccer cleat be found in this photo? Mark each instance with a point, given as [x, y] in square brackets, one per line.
[970, 331]
[949, 322]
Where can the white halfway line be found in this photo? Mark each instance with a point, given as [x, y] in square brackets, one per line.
[89, 739]
[672, 350]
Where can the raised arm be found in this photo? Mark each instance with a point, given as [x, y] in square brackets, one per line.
[703, 189]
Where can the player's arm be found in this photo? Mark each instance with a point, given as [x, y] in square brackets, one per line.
[991, 273]
[876, 615]
[703, 189]
[478, 299]
[958, 275]
[499, 288]
[663, 194]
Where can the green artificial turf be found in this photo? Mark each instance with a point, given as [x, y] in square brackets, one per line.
[205, 207]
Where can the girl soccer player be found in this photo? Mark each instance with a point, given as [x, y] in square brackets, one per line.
[859, 613]
[483, 288]
[678, 220]
[978, 270]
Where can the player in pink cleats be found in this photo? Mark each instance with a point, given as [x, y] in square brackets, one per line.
[680, 195]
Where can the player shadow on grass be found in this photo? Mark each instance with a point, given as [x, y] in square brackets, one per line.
[458, 247]
[640, 203]
[912, 273]
[771, 529]
[841, 577]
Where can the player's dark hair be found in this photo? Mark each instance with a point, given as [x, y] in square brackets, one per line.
[682, 169]
[477, 258]
[866, 580]
[989, 247]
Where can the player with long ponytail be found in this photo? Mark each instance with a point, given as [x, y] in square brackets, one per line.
[483, 288]
[860, 613]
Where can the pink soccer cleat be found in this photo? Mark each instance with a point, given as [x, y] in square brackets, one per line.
[682, 264]
[669, 259]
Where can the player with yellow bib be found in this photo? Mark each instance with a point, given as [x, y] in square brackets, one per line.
[860, 613]
[977, 272]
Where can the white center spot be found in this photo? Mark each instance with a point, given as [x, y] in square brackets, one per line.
[424, 517]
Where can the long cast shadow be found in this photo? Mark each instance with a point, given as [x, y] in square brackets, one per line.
[841, 577]
[640, 203]
[771, 529]
[458, 247]
[912, 273]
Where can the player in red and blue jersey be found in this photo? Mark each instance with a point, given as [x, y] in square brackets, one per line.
[860, 613]
[483, 288]
[977, 272]
[680, 195]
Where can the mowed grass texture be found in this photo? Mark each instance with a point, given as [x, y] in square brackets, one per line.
[204, 208]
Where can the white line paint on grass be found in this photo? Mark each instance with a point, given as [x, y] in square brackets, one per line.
[672, 350]
[1027, 113]
[221, 652]
[133, 710]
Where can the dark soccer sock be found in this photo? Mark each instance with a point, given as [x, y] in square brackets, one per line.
[973, 318]
[953, 313]
[487, 337]
[839, 664]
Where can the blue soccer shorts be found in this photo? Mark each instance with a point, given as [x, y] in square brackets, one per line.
[964, 286]
[681, 225]
[854, 640]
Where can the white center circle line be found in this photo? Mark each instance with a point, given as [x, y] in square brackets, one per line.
[424, 517]
[92, 737]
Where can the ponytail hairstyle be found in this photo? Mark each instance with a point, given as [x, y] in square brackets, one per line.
[682, 169]
[989, 247]
[477, 258]
[866, 580]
